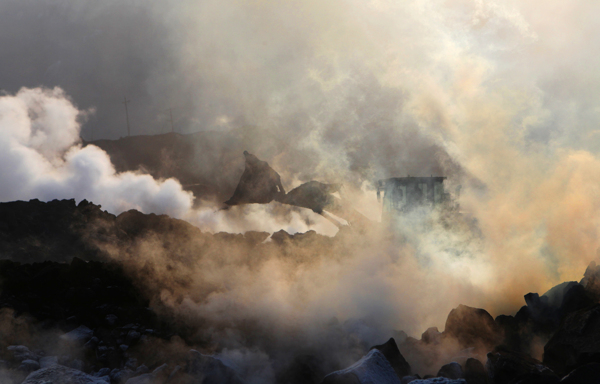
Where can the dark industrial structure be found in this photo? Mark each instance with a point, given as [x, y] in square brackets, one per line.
[402, 194]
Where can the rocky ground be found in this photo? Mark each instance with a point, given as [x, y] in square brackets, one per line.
[72, 311]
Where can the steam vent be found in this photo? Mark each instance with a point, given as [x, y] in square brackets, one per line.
[402, 194]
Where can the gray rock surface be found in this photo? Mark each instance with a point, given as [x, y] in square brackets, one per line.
[111, 319]
[141, 369]
[452, 370]
[21, 352]
[120, 375]
[439, 380]
[210, 370]
[408, 379]
[373, 368]
[80, 334]
[586, 374]
[48, 361]
[102, 372]
[58, 374]
[29, 365]
[146, 378]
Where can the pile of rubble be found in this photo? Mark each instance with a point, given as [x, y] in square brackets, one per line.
[92, 320]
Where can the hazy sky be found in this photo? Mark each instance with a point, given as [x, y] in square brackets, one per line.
[307, 65]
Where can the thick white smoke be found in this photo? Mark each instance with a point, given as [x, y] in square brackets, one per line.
[40, 157]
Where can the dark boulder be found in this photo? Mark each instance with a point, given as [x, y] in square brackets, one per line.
[431, 336]
[591, 280]
[586, 374]
[451, 371]
[473, 327]
[373, 368]
[259, 184]
[304, 369]
[475, 372]
[505, 366]
[576, 342]
[57, 374]
[394, 357]
[210, 370]
[439, 380]
[313, 195]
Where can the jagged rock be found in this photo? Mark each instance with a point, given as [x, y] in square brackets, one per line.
[177, 371]
[504, 366]
[373, 368]
[76, 364]
[111, 319]
[120, 376]
[48, 361]
[312, 195]
[21, 352]
[304, 369]
[132, 337]
[439, 380]
[576, 342]
[146, 378]
[475, 372]
[80, 335]
[102, 372]
[255, 237]
[462, 356]
[472, 327]
[210, 370]
[92, 343]
[451, 371]
[29, 365]
[409, 379]
[431, 336]
[586, 374]
[259, 183]
[392, 354]
[58, 374]
[591, 280]
[141, 369]
[161, 370]
[536, 378]
[131, 363]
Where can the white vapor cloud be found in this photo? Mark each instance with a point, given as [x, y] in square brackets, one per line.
[40, 157]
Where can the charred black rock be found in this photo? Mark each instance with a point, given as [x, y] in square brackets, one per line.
[505, 366]
[473, 327]
[392, 354]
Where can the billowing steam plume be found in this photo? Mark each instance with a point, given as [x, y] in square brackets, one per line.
[501, 97]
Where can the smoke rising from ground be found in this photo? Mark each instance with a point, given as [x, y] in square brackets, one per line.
[499, 96]
[41, 158]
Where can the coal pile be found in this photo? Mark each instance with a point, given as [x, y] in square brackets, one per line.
[78, 304]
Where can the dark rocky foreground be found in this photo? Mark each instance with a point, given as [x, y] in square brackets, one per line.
[77, 305]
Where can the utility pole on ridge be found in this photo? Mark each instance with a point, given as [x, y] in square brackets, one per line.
[125, 101]
[171, 114]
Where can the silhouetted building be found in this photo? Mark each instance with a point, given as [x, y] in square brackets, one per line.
[402, 194]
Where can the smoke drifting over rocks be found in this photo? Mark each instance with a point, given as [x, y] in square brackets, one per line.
[499, 97]
[41, 158]
[267, 311]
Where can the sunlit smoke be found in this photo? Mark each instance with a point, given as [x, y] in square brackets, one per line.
[501, 97]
